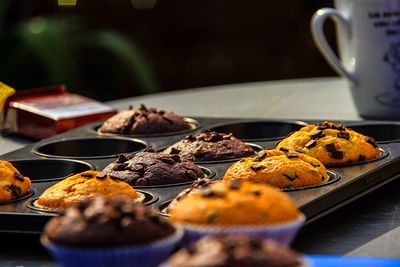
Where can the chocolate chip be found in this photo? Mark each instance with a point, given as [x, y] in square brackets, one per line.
[242, 160]
[143, 107]
[311, 144]
[117, 167]
[234, 185]
[14, 190]
[260, 155]
[300, 151]
[191, 138]
[130, 107]
[284, 149]
[343, 135]
[101, 175]
[208, 193]
[323, 126]
[121, 158]
[19, 176]
[161, 112]
[256, 193]
[317, 134]
[141, 182]
[316, 165]
[336, 155]
[176, 158]
[256, 167]
[339, 127]
[290, 176]
[292, 155]
[168, 160]
[371, 141]
[361, 158]
[174, 151]
[330, 147]
[87, 175]
[213, 217]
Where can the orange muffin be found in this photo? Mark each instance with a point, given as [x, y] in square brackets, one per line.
[282, 169]
[13, 185]
[332, 144]
[238, 208]
[235, 204]
[83, 186]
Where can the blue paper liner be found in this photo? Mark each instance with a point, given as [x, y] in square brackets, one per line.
[283, 233]
[148, 255]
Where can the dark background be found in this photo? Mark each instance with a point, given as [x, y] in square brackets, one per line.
[109, 49]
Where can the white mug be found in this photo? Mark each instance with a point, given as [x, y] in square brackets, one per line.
[368, 34]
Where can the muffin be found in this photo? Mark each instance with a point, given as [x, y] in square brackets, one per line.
[130, 233]
[196, 186]
[82, 186]
[210, 146]
[13, 185]
[282, 169]
[332, 144]
[235, 251]
[238, 208]
[143, 120]
[148, 168]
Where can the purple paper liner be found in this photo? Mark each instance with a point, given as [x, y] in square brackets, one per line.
[148, 255]
[283, 233]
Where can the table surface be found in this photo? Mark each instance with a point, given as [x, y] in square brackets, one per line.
[368, 227]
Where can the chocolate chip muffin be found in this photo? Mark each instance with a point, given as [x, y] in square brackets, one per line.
[235, 251]
[149, 168]
[13, 185]
[83, 186]
[99, 222]
[210, 146]
[143, 120]
[283, 169]
[332, 144]
[235, 203]
[194, 189]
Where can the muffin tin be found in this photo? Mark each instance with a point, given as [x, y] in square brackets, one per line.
[48, 161]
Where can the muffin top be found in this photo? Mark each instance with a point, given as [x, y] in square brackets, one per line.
[100, 222]
[332, 144]
[234, 203]
[210, 146]
[235, 251]
[143, 120]
[283, 169]
[193, 189]
[153, 168]
[85, 185]
[13, 185]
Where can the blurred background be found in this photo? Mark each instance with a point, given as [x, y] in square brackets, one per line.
[110, 49]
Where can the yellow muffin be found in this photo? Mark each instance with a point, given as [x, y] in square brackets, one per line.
[85, 185]
[226, 204]
[13, 185]
[332, 144]
[283, 170]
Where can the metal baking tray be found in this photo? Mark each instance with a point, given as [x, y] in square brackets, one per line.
[48, 161]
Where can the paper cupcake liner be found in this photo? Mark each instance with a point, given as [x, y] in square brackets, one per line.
[283, 233]
[149, 255]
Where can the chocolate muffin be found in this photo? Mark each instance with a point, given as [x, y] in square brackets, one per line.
[143, 120]
[210, 146]
[148, 168]
[235, 251]
[106, 223]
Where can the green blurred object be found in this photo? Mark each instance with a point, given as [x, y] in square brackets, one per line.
[66, 50]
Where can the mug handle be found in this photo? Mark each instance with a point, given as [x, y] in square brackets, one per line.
[317, 30]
